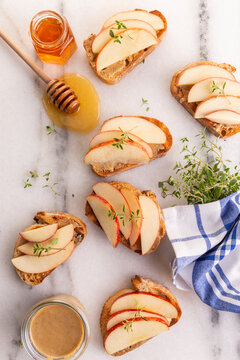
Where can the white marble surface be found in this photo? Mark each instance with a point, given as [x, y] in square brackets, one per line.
[197, 30]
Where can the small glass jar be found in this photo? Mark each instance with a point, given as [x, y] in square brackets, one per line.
[52, 37]
[62, 299]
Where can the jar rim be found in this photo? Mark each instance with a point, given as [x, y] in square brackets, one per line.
[25, 329]
[44, 14]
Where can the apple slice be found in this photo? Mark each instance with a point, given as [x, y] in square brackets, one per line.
[110, 225]
[104, 36]
[228, 117]
[203, 89]
[132, 41]
[220, 102]
[144, 129]
[36, 265]
[115, 135]
[143, 15]
[196, 73]
[146, 301]
[40, 234]
[150, 224]
[120, 316]
[63, 235]
[135, 208]
[131, 153]
[118, 338]
[115, 198]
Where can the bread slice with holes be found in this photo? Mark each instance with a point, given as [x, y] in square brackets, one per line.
[115, 72]
[105, 167]
[42, 219]
[139, 284]
[181, 95]
[137, 246]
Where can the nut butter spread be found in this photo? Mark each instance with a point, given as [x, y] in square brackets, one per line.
[56, 330]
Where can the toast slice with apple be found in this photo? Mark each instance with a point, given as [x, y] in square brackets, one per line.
[125, 40]
[47, 220]
[158, 312]
[211, 94]
[111, 214]
[125, 142]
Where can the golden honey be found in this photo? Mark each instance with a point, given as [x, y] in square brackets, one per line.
[86, 118]
[52, 37]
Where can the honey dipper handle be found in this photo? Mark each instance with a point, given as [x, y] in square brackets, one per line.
[26, 58]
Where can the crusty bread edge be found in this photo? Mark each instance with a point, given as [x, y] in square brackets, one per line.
[157, 151]
[131, 65]
[219, 130]
[138, 284]
[137, 247]
[43, 218]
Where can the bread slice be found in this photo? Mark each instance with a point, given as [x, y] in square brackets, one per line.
[138, 284]
[137, 247]
[181, 95]
[115, 72]
[41, 219]
[159, 150]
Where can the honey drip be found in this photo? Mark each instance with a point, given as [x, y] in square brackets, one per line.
[86, 118]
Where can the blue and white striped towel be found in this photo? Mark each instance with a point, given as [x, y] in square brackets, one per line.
[206, 241]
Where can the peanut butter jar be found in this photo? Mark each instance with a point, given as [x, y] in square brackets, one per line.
[56, 329]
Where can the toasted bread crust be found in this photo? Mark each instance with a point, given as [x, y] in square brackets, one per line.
[137, 247]
[181, 95]
[114, 73]
[43, 218]
[138, 284]
[159, 150]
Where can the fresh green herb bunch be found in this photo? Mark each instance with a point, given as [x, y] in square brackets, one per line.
[201, 181]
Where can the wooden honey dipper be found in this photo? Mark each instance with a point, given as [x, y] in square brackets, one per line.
[60, 94]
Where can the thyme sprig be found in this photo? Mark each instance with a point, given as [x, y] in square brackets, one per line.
[31, 174]
[50, 185]
[204, 176]
[215, 87]
[128, 324]
[145, 102]
[119, 25]
[124, 137]
[39, 249]
[113, 214]
[51, 130]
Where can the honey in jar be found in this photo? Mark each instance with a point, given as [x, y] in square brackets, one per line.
[52, 37]
[86, 117]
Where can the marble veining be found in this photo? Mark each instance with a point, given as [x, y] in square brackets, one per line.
[95, 270]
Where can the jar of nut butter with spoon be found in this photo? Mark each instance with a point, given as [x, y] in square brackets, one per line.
[56, 329]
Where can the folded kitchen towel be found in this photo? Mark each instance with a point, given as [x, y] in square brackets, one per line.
[206, 241]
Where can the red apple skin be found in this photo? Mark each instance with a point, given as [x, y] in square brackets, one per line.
[144, 293]
[126, 203]
[179, 77]
[129, 133]
[116, 219]
[200, 104]
[111, 142]
[135, 320]
[41, 240]
[151, 314]
[73, 247]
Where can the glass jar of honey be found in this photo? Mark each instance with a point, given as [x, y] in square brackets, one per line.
[56, 328]
[52, 37]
